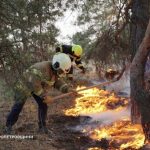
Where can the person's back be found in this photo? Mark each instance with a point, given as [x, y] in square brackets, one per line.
[33, 78]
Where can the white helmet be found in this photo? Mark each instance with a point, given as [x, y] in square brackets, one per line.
[61, 61]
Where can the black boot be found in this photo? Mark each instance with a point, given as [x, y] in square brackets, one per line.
[43, 130]
[7, 130]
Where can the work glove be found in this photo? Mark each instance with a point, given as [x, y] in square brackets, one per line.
[71, 90]
[47, 99]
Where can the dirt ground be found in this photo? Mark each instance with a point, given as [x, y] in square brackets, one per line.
[60, 136]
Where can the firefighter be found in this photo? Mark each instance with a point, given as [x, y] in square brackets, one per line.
[75, 53]
[36, 82]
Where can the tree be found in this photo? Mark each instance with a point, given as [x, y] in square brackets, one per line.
[106, 28]
[139, 21]
[83, 39]
[140, 93]
[27, 32]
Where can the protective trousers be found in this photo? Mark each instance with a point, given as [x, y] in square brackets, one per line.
[20, 100]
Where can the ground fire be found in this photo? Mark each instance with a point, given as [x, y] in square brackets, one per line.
[95, 101]
[120, 133]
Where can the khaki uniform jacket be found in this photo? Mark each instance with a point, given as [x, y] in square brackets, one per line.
[39, 78]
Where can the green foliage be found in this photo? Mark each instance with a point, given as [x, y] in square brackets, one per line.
[105, 37]
[27, 33]
[6, 92]
[83, 39]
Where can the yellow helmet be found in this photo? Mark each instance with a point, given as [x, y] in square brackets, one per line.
[77, 49]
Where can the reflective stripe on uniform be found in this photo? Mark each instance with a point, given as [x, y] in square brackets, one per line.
[70, 75]
[78, 59]
[79, 65]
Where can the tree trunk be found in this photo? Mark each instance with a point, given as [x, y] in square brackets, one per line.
[139, 22]
[139, 93]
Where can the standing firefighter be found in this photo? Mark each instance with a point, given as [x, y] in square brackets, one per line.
[36, 82]
[74, 52]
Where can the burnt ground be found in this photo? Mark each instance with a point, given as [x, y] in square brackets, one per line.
[61, 134]
[27, 125]
[60, 137]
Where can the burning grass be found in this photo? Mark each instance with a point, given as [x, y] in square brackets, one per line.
[96, 101]
[120, 133]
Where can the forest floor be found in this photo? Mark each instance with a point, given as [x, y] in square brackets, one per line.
[59, 137]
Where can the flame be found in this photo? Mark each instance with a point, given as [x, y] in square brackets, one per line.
[124, 134]
[96, 101]
[95, 148]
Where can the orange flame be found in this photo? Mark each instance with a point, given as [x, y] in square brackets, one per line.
[122, 132]
[96, 101]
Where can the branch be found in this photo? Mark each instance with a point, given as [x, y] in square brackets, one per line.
[126, 21]
[119, 13]
[120, 75]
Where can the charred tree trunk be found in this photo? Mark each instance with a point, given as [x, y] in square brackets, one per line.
[139, 22]
[139, 92]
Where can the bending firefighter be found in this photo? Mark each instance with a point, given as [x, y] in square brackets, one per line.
[74, 52]
[36, 82]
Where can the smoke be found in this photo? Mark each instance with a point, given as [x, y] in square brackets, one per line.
[102, 119]
[109, 117]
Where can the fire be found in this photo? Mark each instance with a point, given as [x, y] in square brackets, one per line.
[96, 101]
[94, 148]
[121, 133]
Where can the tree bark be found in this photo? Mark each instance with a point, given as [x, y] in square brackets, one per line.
[139, 93]
[139, 22]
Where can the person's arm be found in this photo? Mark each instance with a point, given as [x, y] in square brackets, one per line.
[61, 86]
[79, 64]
